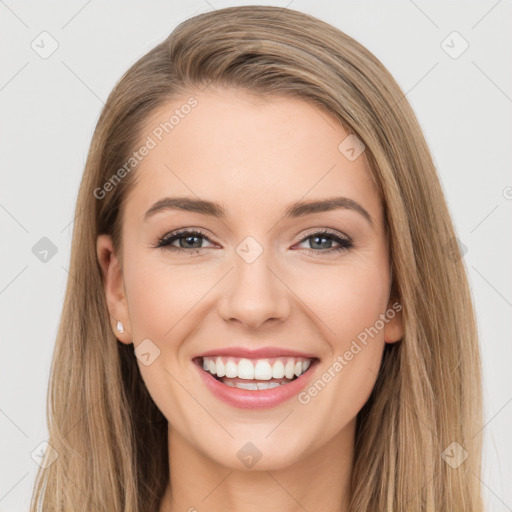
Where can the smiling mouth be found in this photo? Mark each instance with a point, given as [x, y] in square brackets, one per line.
[255, 375]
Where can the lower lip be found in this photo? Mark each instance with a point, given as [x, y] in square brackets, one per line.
[260, 399]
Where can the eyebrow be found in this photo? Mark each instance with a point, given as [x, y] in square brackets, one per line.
[298, 209]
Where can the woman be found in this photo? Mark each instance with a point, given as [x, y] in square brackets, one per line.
[267, 307]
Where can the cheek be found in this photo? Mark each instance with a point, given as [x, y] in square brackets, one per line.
[159, 295]
[347, 299]
[163, 301]
[349, 303]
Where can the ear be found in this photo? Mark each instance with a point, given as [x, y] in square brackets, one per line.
[394, 329]
[114, 288]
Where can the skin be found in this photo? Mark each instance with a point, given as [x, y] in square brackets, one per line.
[264, 154]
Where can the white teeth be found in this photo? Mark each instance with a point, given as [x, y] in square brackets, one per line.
[247, 385]
[258, 369]
[267, 385]
[253, 386]
[263, 370]
[289, 369]
[278, 370]
[245, 369]
[231, 369]
[219, 365]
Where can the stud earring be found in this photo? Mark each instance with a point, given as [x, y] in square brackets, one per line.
[120, 327]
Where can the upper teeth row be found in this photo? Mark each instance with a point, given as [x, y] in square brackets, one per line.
[259, 369]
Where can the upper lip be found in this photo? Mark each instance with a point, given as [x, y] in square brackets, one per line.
[258, 353]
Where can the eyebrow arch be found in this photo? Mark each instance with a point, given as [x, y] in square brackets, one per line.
[298, 209]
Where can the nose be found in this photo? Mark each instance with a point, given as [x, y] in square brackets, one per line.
[254, 294]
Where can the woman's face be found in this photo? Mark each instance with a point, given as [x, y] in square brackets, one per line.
[262, 275]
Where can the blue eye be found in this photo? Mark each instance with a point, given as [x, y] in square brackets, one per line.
[191, 242]
[188, 237]
[319, 237]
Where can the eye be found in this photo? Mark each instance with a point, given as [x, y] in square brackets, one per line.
[190, 241]
[187, 241]
[324, 239]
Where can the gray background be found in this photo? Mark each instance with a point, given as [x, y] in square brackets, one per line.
[49, 107]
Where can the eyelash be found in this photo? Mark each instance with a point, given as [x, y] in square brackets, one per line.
[165, 241]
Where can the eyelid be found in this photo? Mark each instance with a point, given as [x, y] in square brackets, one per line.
[167, 239]
[313, 231]
[182, 231]
[297, 238]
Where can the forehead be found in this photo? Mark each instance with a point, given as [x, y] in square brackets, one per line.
[247, 151]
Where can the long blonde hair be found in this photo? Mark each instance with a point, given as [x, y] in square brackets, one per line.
[110, 437]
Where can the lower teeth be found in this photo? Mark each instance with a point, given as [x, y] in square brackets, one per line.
[254, 385]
